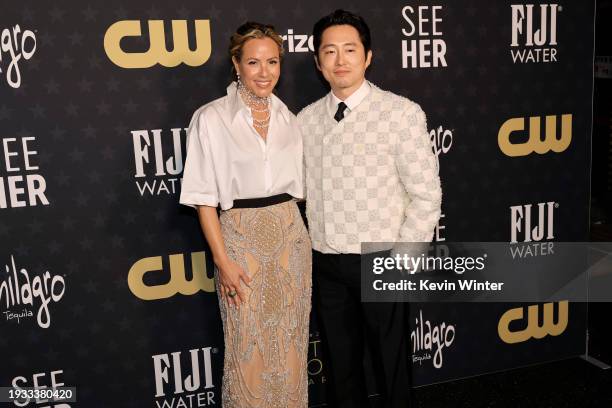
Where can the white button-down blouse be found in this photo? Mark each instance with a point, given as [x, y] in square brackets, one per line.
[227, 159]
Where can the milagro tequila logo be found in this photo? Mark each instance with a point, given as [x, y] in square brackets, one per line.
[22, 295]
[441, 142]
[428, 338]
[159, 160]
[15, 44]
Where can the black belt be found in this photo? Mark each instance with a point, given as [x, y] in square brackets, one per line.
[262, 202]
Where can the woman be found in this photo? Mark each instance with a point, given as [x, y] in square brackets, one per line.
[245, 154]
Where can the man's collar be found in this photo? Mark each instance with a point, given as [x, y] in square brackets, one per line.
[353, 100]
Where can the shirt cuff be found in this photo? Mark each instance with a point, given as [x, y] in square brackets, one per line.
[194, 199]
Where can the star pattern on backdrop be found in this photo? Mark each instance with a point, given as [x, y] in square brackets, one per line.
[82, 108]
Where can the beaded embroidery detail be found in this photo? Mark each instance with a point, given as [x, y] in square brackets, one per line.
[271, 329]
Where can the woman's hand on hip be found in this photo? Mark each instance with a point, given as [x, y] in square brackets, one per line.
[231, 277]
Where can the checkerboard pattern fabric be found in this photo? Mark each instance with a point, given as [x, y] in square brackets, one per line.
[371, 177]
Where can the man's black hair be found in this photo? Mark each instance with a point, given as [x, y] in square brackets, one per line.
[342, 17]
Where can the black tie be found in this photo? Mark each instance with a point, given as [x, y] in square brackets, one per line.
[340, 112]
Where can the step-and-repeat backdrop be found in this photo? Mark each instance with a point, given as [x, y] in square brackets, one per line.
[106, 282]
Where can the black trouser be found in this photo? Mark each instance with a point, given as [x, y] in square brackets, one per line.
[345, 320]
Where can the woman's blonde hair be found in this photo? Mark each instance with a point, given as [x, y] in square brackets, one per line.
[250, 30]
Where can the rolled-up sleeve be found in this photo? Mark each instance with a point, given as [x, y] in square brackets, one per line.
[418, 170]
[199, 185]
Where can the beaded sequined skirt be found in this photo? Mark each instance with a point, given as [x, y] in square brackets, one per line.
[266, 339]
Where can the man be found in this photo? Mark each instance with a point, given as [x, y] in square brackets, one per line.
[371, 176]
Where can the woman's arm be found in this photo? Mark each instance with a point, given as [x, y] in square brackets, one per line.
[230, 273]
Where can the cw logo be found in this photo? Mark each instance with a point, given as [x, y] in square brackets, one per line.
[535, 142]
[178, 283]
[157, 52]
[533, 328]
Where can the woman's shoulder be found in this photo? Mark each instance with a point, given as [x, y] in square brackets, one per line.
[211, 110]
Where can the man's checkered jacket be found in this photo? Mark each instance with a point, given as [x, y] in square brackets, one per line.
[371, 177]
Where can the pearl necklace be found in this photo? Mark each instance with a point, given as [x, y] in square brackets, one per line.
[252, 100]
[256, 104]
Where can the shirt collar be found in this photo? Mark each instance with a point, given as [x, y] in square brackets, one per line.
[236, 104]
[352, 101]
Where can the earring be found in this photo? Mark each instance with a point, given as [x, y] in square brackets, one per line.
[238, 77]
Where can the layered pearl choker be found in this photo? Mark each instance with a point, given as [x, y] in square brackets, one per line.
[256, 104]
